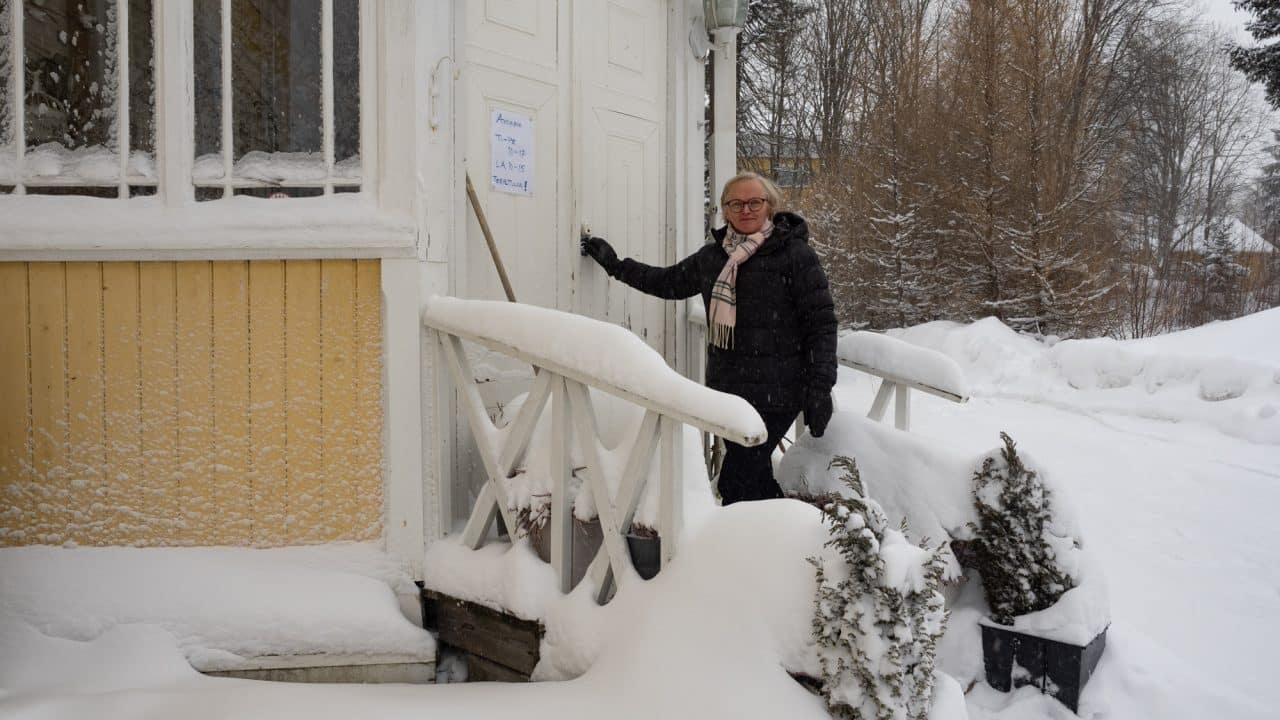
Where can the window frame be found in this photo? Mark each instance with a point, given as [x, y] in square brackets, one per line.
[172, 224]
[18, 88]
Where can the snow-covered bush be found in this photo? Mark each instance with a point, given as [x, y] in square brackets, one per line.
[1015, 550]
[879, 613]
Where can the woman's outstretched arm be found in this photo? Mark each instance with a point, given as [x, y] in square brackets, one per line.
[674, 282]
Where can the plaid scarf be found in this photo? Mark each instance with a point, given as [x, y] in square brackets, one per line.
[723, 313]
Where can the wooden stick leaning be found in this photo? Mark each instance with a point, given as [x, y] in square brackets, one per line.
[488, 237]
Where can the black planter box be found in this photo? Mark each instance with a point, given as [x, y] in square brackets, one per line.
[646, 554]
[1013, 659]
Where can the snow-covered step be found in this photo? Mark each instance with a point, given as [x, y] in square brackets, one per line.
[320, 613]
[335, 668]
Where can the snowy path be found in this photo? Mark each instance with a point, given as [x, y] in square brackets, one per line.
[1182, 520]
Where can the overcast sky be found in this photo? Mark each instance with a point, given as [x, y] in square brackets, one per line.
[1224, 13]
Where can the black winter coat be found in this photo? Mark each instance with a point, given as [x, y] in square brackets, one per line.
[784, 350]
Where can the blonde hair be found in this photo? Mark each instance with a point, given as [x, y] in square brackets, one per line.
[771, 191]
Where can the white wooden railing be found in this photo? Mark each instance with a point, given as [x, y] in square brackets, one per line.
[901, 368]
[900, 365]
[570, 353]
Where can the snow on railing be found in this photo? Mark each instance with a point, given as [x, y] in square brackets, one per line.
[570, 353]
[901, 366]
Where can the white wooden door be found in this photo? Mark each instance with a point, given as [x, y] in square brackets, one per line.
[621, 116]
[515, 64]
[591, 77]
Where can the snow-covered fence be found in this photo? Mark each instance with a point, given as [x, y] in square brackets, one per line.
[570, 353]
[901, 367]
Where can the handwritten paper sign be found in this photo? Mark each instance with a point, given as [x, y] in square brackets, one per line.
[512, 151]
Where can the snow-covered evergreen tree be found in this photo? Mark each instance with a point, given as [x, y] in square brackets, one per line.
[979, 258]
[901, 199]
[108, 88]
[6, 74]
[879, 613]
[829, 208]
[1261, 63]
[1221, 276]
[1015, 551]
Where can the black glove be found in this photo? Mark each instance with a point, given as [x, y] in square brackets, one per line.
[602, 252]
[817, 413]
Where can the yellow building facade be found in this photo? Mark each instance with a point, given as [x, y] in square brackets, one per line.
[190, 403]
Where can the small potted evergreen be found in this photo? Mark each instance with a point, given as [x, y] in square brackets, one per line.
[879, 612]
[1028, 564]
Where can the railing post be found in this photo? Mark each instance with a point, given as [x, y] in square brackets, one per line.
[671, 496]
[881, 403]
[902, 407]
[560, 521]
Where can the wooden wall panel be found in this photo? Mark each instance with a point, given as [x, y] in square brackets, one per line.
[158, 366]
[230, 484]
[85, 388]
[17, 502]
[190, 403]
[338, 375]
[366, 437]
[48, 329]
[122, 490]
[267, 373]
[198, 509]
[304, 428]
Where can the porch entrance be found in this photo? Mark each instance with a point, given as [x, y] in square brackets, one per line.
[591, 80]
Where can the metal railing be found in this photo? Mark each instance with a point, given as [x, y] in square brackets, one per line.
[562, 378]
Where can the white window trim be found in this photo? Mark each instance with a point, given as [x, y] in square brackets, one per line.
[173, 226]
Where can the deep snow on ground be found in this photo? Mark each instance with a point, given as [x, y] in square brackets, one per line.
[1174, 494]
[1176, 508]
[223, 606]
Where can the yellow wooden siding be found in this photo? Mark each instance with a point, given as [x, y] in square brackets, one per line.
[123, 492]
[86, 460]
[17, 493]
[231, 484]
[266, 402]
[48, 396]
[303, 392]
[194, 361]
[366, 435]
[190, 403]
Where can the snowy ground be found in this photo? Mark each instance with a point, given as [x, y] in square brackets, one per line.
[1182, 521]
[1175, 496]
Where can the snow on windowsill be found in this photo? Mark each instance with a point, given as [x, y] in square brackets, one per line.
[40, 227]
[280, 168]
[89, 165]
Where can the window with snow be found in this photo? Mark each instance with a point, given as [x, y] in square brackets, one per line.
[77, 97]
[277, 97]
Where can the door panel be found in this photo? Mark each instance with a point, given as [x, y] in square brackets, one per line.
[513, 63]
[622, 191]
[525, 227]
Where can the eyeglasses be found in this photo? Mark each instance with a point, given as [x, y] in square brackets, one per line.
[737, 206]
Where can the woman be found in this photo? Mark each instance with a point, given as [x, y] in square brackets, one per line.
[770, 319]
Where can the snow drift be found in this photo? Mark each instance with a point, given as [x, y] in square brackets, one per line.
[1223, 375]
